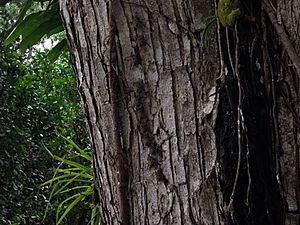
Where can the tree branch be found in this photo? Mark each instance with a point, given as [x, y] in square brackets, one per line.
[283, 36]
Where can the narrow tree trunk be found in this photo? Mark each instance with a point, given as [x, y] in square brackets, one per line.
[177, 136]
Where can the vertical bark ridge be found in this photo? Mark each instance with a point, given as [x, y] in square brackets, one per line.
[180, 31]
[177, 120]
[116, 100]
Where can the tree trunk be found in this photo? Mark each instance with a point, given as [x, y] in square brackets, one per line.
[288, 107]
[182, 134]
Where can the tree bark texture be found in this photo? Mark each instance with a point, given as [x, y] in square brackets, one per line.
[183, 135]
[288, 99]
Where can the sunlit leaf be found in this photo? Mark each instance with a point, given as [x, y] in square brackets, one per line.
[37, 34]
[32, 24]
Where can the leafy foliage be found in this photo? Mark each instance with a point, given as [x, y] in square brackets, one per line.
[32, 27]
[37, 101]
[76, 179]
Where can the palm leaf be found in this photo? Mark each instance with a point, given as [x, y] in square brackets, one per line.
[82, 153]
[31, 23]
[24, 10]
[69, 162]
[67, 183]
[79, 197]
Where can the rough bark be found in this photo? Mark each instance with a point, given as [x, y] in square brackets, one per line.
[166, 116]
[288, 82]
[177, 136]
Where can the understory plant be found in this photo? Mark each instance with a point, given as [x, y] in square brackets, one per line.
[72, 183]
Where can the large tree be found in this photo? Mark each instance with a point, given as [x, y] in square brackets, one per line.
[183, 134]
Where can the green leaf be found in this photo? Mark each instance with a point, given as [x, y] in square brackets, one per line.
[67, 183]
[82, 153]
[83, 174]
[74, 164]
[95, 217]
[79, 197]
[49, 152]
[32, 19]
[75, 188]
[74, 179]
[24, 10]
[68, 170]
[31, 23]
[56, 30]
[48, 203]
[56, 178]
[69, 162]
[38, 34]
[70, 207]
[61, 178]
[52, 194]
[55, 52]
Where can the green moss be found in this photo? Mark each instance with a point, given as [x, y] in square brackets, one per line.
[227, 12]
